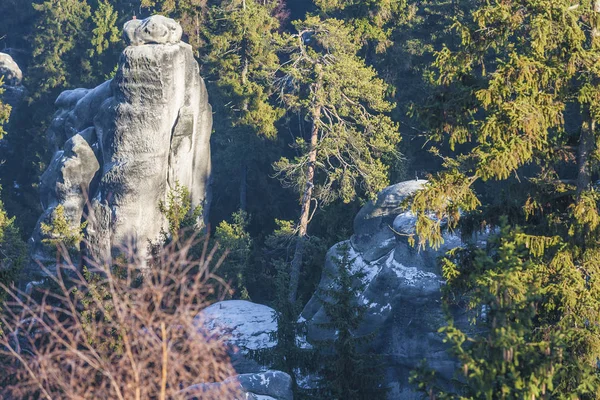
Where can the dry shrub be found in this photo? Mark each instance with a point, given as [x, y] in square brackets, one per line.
[117, 334]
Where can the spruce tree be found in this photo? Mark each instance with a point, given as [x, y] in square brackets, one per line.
[327, 84]
[347, 371]
[516, 103]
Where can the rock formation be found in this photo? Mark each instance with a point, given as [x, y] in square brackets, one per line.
[268, 385]
[402, 290]
[247, 326]
[13, 79]
[121, 146]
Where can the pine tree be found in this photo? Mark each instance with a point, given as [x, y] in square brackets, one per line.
[517, 104]
[233, 237]
[347, 372]
[343, 100]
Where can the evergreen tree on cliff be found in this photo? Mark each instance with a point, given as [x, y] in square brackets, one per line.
[518, 101]
[345, 371]
[343, 101]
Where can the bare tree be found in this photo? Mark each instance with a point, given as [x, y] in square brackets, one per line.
[111, 333]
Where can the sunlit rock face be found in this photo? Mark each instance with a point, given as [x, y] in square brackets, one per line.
[402, 289]
[12, 80]
[122, 146]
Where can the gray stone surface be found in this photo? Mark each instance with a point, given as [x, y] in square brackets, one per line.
[145, 130]
[402, 289]
[14, 92]
[152, 30]
[246, 326]
[268, 385]
[10, 70]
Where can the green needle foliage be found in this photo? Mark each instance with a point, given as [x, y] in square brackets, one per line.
[60, 34]
[327, 84]
[62, 232]
[516, 103]
[4, 110]
[13, 251]
[347, 371]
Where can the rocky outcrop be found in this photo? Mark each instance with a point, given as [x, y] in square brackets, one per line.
[402, 289]
[268, 385]
[122, 146]
[246, 326]
[13, 79]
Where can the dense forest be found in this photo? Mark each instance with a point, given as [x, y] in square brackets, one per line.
[319, 105]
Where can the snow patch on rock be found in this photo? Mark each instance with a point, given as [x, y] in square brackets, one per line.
[248, 325]
[411, 275]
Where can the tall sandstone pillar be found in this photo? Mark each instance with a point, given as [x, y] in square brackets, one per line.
[122, 146]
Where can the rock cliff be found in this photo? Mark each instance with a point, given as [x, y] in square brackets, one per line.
[402, 289]
[120, 147]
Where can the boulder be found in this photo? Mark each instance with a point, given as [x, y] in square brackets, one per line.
[402, 289]
[268, 385]
[10, 70]
[247, 326]
[146, 131]
[14, 92]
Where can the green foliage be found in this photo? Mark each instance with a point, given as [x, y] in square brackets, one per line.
[286, 355]
[346, 371]
[13, 251]
[373, 20]
[239, 61]
[531, 312]
[4, 110]
[514, 107]
[178, 210]
[331, 87]
[62, 232]
[97, 305]
[59, 35]
[105, 30]
[234, 237]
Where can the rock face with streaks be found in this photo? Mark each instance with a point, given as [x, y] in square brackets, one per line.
[122, 146]
[402, 289]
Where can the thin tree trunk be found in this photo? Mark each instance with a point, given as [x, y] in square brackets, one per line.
[587, 142]
[587, 139]
[304, 215]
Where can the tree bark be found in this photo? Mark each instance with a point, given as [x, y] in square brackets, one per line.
[587, 142]
[587, 139]
[305, 213]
